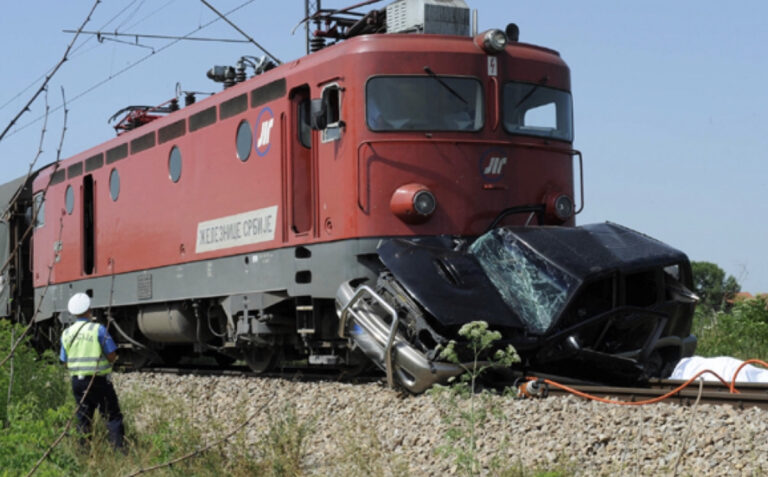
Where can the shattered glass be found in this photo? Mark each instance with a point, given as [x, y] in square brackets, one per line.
[530, 285]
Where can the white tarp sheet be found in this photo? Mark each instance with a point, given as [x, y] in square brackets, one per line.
[722, 365]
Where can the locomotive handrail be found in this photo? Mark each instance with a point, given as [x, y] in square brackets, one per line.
[576, 152]
[496, 142]
[362, 290]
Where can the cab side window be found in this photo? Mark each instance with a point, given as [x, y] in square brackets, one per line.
[38, 210]
[326, 113]
[304, 127]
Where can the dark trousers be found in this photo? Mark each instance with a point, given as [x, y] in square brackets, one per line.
[101, 395]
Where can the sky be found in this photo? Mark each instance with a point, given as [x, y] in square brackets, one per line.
[670, 98]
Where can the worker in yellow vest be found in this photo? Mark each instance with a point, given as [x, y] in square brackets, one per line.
[89, 352]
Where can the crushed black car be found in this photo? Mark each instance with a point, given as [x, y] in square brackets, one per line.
[600, 303]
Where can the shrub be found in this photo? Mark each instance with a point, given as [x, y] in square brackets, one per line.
[463, 423]
[37, 410]
[37, 379]
[742, 332]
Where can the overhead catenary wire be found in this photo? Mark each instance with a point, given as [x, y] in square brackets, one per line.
[224, 17]
[49, 75]
[130, 15]
[71, 56]
[128, 67]
[102, 35]
[136, 43]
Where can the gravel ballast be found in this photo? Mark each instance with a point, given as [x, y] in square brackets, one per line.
[583, 437]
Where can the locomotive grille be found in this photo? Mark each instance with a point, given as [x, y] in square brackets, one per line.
[397, 17]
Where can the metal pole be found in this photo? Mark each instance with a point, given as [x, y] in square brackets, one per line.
[310, 8]
[306, 24]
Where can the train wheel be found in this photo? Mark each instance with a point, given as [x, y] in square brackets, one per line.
[258, 358]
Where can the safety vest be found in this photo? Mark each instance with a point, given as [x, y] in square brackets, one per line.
[84, 354]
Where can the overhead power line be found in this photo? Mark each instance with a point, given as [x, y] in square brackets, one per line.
[135, 63]
[224, 17]
[103, 34]
[71, 56]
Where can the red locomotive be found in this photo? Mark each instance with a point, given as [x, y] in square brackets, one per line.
[359, 203]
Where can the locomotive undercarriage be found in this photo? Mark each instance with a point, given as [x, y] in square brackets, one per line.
[249, 307]
[295, 332]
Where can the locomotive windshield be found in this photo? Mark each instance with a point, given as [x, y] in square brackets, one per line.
[424, 103]
[537, 110]
[528, 283]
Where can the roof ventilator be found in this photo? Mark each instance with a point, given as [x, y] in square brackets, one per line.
[441, 17]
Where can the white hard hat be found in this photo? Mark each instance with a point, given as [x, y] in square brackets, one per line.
[79, 304]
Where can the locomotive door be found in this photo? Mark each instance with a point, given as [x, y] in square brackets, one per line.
[300, 154]
[89, 227]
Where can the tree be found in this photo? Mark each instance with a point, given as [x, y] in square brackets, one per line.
[712, 286]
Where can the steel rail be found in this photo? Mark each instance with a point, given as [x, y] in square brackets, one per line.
[750, 395]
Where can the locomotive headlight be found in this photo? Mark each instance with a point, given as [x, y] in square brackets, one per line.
[492, 41]
[564, 207]
[559, 207]
[424, 202]
[413, 203]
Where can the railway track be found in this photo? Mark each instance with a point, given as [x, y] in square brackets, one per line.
[298, 373]
[712, 392]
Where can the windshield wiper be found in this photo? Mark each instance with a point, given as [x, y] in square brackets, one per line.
[444, 84]
[530, 93]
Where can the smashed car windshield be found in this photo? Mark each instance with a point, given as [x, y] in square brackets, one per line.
[530, 285]
[424, 103]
